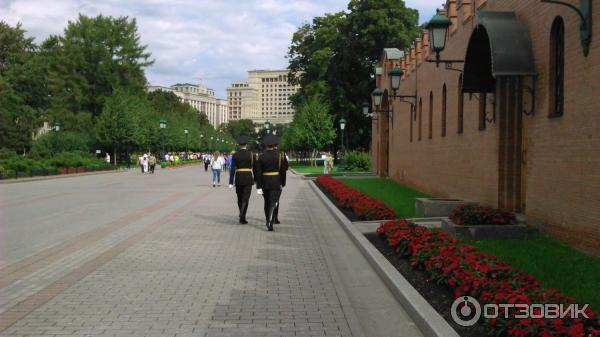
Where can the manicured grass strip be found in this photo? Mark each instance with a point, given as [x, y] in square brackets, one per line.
[302, 169]
[554, 264]
[397, 196]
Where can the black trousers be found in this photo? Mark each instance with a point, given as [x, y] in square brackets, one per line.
[243, 197]
[271, 200]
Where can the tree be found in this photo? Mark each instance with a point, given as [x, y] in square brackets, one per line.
[236, 128]
[311, 129]
[334, 56]
[115, 126]
[21, 86]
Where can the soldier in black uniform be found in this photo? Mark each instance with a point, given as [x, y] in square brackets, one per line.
[271, 168]
[242, 170]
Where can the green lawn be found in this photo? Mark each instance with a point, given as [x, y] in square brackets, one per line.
[553, 263]
[399, 197]
[303, 169]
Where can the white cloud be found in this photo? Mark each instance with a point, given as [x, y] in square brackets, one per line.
[216, 40]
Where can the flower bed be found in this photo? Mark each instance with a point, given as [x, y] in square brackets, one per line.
[475, 215]
[468, 272]
[363, 206]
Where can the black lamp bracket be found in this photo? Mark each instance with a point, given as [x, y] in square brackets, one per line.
[447, 63]
[585, 13]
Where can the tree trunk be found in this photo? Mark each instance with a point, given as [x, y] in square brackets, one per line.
[115, 155]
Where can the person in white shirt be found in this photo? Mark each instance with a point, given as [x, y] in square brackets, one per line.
[144, 163]
[216, 164]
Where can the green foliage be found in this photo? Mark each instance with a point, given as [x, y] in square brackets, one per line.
[20, 88]
[55, 142]
[334, 57]
[26, 166]
[312, 127]
[356, 161]
[240, 127]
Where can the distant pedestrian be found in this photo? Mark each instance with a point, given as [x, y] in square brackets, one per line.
[141, 163]
[206, 162]
[152, 163]
[324, 157]
[329, 163]
[216, 164]
[230, 160]
[145, 163]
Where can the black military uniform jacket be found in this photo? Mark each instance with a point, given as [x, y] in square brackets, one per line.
[271, 168]
[242, 168]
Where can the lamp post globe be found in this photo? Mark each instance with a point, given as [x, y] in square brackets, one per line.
[365, 109]
[342, 124]
[438, 32]
[377, 95]
[395, 76]
[56, 126]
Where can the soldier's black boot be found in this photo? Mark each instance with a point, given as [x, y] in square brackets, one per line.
[276, 215]
[271, 218]
[243, 209]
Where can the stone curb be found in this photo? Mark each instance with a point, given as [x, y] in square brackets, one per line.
[424, 315]
[59, 176]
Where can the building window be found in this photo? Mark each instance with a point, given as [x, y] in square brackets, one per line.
[420, 117]
[557, 67]
[482, 105]
[459, 128]
[430, 115]
[444, 110]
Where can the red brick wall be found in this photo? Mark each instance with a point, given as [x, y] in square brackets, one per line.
[562, 155]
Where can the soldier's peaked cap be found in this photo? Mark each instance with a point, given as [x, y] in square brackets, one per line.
[242, 140]
[269, 140]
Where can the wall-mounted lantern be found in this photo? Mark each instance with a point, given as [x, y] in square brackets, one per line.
[438, 33]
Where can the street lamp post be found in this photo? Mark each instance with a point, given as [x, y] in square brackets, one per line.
[186, 131]
[163, 126]
[342, 127]
[56, 128]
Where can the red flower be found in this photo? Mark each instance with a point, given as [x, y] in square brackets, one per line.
[466, 271]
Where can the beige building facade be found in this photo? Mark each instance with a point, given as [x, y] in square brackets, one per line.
[202, 98]
[264, 97]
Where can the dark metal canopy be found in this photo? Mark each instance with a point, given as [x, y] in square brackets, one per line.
[499, 46]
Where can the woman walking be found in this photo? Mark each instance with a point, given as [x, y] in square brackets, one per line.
[216, 165]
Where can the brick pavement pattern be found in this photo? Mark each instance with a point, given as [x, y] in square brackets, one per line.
[189, 270]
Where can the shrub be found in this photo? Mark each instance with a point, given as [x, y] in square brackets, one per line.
[357, 161]
[53, 143]
[468, 272]
[474, 215]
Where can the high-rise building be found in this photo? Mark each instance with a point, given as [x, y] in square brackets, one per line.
[264, 97]
[242, 101]
[200, 97]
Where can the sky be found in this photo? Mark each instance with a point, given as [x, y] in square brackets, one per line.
[212, 42]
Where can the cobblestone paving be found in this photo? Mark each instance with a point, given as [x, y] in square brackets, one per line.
[193, 271]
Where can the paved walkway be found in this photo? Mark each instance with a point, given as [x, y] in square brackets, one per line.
[132, 255]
